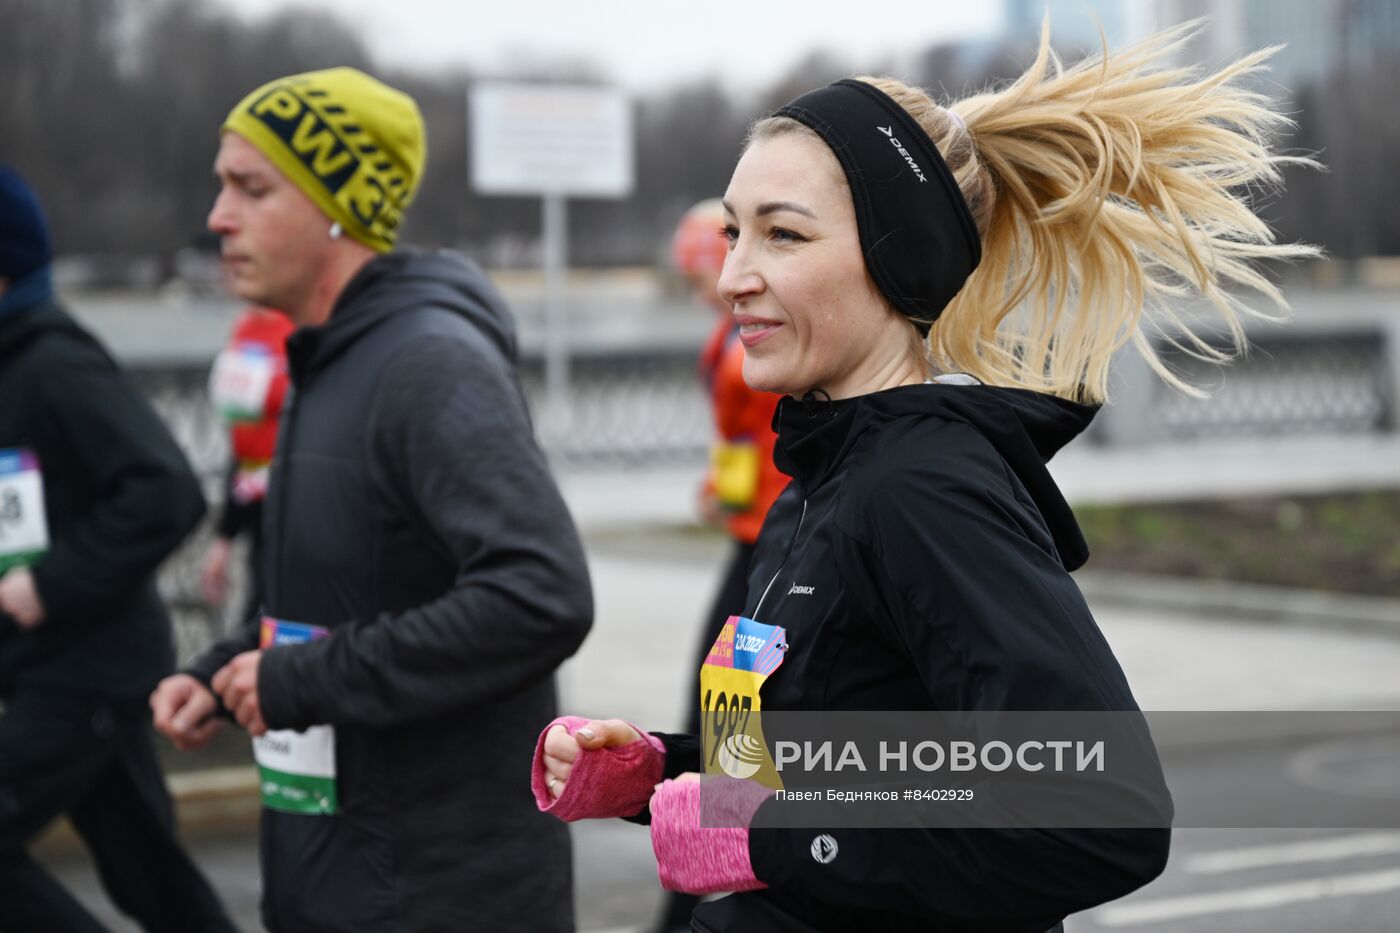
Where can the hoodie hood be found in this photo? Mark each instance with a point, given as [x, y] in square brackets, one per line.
[392, 282]
[19, 327]
[1026, 428]
[25, 292]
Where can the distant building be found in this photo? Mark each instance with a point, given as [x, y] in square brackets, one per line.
[1367, 29]
[1075, 24]
[1321, 35]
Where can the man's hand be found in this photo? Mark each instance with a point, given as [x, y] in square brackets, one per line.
[213, 576]
[20, 600]
[236, 683]
[561, 750]
[184, 711]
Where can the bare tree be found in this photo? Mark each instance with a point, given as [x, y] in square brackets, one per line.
[112, 108]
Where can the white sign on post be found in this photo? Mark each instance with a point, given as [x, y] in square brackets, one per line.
[540, 139]
[553, 141]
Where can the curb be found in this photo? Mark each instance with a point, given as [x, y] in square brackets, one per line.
[1246, 602]
[216, 798]
[207, 802]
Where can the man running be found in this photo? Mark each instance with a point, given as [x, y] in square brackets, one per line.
[423, 577]
[94, 494]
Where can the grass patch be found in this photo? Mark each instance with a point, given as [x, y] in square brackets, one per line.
[1345, 542]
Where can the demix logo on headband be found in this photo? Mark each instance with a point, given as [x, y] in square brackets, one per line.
[894, 141]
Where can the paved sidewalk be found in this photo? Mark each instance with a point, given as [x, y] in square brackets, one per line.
[1224, 468]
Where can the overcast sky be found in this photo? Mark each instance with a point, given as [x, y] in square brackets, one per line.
[653, 42]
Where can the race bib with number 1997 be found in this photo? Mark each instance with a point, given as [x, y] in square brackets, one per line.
[745, 654]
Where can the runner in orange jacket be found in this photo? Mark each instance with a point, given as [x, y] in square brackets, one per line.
[247, 386]
[742, 481]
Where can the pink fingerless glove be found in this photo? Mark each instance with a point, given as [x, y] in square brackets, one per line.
[705, 859]
[604, 782]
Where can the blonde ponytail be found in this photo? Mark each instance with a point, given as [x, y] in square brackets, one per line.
[1105, 194]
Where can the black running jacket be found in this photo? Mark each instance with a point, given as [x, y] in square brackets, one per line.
[411, 512]
[920, 560]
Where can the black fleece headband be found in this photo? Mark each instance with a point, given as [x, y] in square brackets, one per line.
[919, 238]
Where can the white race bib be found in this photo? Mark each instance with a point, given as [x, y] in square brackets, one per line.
[296, 769]
[24, 531]
[250, 485]
[240, 382]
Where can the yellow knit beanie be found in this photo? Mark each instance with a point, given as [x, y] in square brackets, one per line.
[355, 145]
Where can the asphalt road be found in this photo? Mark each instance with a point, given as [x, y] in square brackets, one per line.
[1241, 880]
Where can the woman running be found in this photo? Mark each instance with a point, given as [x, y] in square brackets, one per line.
[939, 289]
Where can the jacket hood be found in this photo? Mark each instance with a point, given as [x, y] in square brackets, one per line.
[1026, 428]
[398, 280]
[19, 327]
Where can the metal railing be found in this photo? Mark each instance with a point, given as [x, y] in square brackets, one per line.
[1289, 384]
[633, 409]
[1305, 381]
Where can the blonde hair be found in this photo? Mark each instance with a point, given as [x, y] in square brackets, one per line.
[1103, 193]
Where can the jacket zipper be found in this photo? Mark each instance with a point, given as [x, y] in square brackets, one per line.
[284, 434]
[791, 545]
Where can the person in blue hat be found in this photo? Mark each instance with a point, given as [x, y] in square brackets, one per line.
[94, 494]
